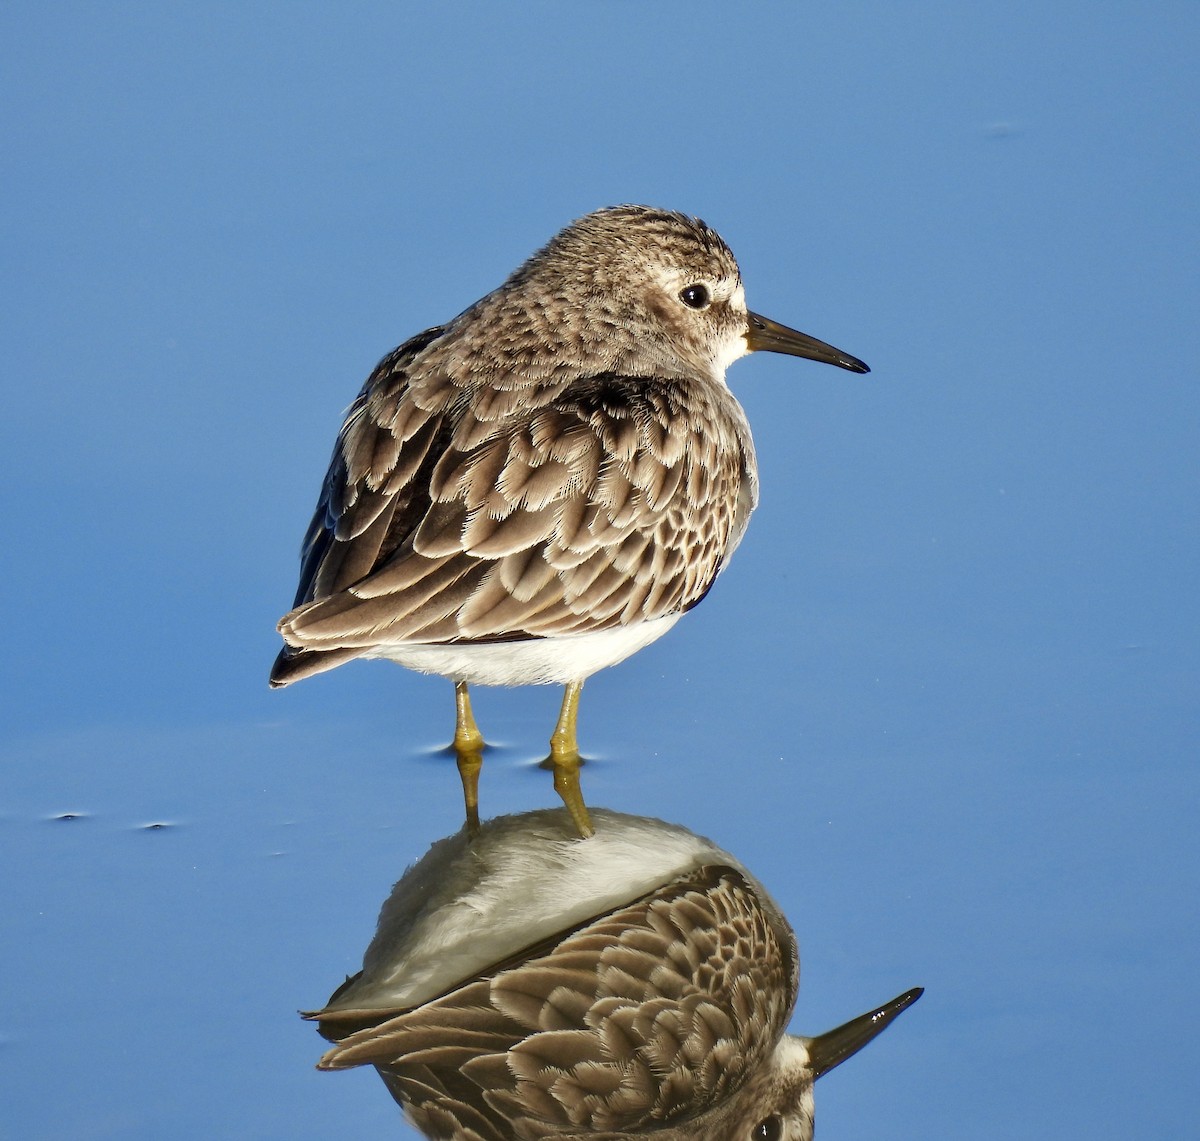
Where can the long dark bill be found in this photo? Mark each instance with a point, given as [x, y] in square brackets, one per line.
[765, 335]
[834, 1046]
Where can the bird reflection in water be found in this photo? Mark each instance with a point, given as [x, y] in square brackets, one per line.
[522, 984]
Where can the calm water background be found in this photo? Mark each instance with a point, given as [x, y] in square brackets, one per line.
[944, 700]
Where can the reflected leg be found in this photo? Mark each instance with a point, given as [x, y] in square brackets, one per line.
[564, 756]
[468, 750]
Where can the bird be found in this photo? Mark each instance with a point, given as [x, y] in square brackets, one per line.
[657, 1006]
[543, 485]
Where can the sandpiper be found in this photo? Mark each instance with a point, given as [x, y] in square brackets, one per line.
[524, 985]
[543, 485]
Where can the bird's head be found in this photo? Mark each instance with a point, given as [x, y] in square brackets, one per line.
[641, 291]
[777, 1103]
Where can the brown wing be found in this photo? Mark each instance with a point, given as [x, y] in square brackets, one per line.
[374, 477]
[647, 1016]
[613, 501]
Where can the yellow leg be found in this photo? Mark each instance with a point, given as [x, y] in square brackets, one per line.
[468, 749]
[564, 756]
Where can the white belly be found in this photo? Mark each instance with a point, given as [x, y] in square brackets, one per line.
[537, 661]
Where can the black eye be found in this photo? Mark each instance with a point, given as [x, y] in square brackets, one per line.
[695, 296]
[769, 1129]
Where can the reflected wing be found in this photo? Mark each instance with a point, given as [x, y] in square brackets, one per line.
[614, 500]
[650, 1015]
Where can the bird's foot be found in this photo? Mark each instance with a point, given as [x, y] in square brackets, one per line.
[566, 765]
[470, 761]
[468, 751]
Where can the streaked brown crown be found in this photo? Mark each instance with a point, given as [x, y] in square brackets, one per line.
[602, 296]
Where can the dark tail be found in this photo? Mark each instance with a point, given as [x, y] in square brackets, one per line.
[293, 664]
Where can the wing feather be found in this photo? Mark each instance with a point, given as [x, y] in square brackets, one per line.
[345, 512]
[615, 502]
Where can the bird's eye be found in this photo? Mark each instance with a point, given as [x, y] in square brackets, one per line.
[695, 296]
[769, 1129]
